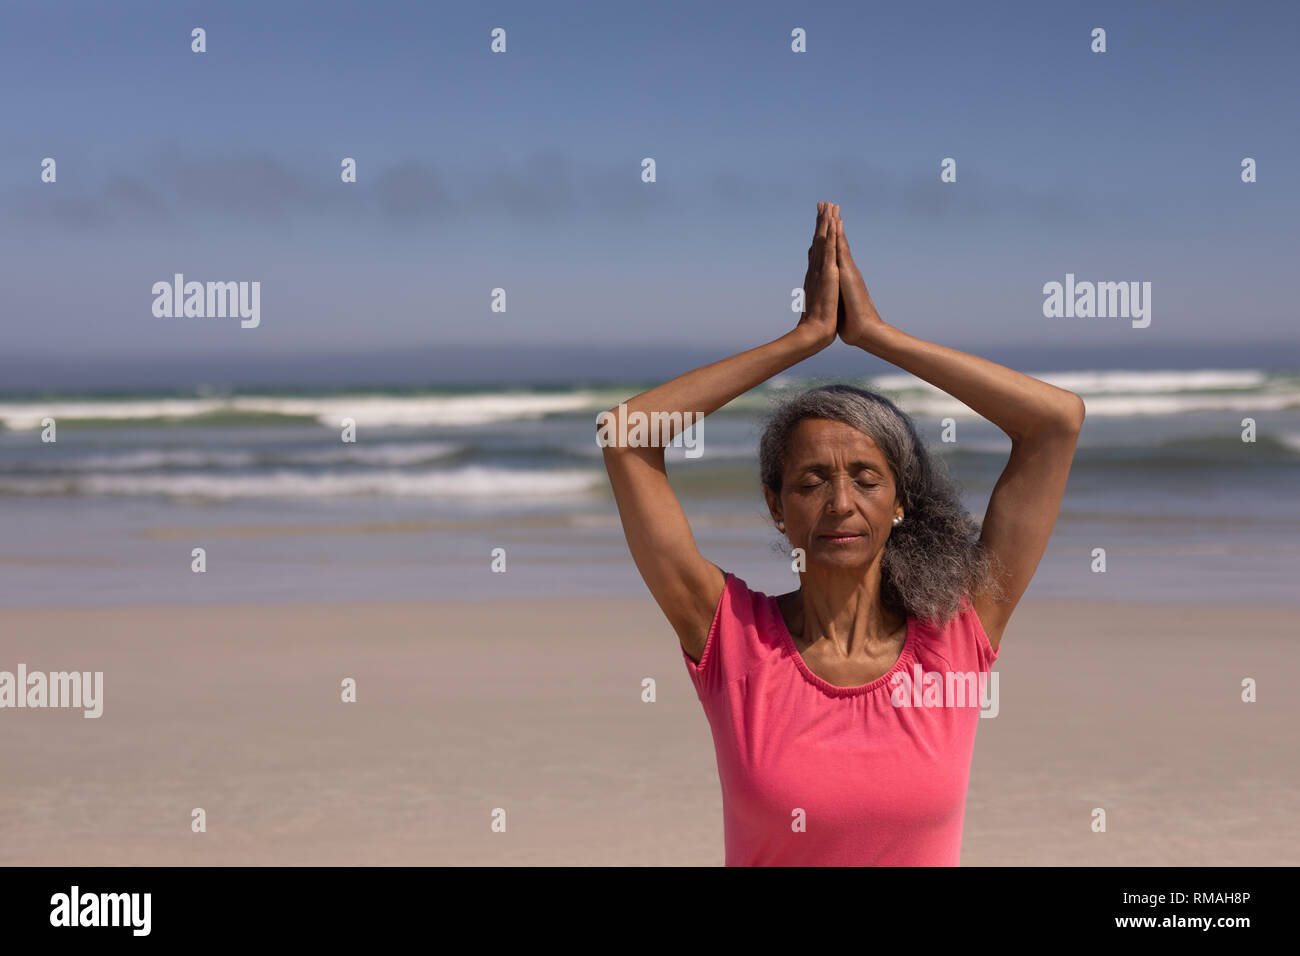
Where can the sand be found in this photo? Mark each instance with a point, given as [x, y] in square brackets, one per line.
[535, 707]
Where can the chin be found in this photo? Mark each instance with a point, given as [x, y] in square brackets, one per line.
[841, 560]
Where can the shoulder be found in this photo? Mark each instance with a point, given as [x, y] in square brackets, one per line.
[993, 617]
[744, 631]
[961, 640]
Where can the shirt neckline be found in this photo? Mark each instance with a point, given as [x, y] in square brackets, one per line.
[905, 658]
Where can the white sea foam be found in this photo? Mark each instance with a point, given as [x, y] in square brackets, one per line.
[1202, 389]
[18, 416]
[467, 482]
[1207, 388]
[160, 458]
[382, 453]
[367, 410]
[382, 410]
[1139, 382]
[1127, 405]
[1129, 382]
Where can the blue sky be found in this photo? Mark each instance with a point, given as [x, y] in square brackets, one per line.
[522, 170]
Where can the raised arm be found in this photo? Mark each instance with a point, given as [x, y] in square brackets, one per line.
[1042, 421]
[687, 586]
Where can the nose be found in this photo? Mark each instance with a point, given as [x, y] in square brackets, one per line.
[841, 500]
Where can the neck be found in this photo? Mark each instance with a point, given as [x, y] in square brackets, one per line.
[843, 605]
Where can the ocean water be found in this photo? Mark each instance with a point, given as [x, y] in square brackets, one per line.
[286, 511]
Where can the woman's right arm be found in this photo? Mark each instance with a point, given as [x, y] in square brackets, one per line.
[687, 586]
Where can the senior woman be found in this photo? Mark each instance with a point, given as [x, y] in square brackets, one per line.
[838, 740]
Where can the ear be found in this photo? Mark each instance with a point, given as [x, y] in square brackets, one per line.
[773, 504]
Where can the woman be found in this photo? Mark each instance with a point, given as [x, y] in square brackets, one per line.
[834, 747]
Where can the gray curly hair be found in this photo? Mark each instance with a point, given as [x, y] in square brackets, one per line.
[934, 556]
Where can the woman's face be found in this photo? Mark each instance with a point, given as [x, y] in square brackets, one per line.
[838, 498]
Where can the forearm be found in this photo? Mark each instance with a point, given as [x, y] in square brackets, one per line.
[704, 390]
[1018, 404]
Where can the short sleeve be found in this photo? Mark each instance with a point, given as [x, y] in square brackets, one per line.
[985, 653]
[729, 648]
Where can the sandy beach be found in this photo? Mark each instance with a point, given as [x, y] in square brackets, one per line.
[535, 707]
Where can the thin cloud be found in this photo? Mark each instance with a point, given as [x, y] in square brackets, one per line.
[548, 189]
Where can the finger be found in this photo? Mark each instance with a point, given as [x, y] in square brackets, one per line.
[823, 221]
[828, 249]
[817, 231]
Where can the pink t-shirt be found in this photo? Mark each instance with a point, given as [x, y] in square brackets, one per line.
[818, 775]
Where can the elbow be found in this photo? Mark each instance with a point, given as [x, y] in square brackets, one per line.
[1068, 419]
[1075, 412]
[1063, 419]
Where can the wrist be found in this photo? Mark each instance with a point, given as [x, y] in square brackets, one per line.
[807, 341]
[875, 338]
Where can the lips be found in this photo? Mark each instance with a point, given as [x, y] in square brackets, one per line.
[839, 536]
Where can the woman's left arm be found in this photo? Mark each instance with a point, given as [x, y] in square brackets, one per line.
[1042, 421]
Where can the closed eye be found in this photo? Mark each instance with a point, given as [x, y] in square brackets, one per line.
[814, 483]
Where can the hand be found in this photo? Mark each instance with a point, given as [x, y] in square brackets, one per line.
[821, 284]
[861, 321]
